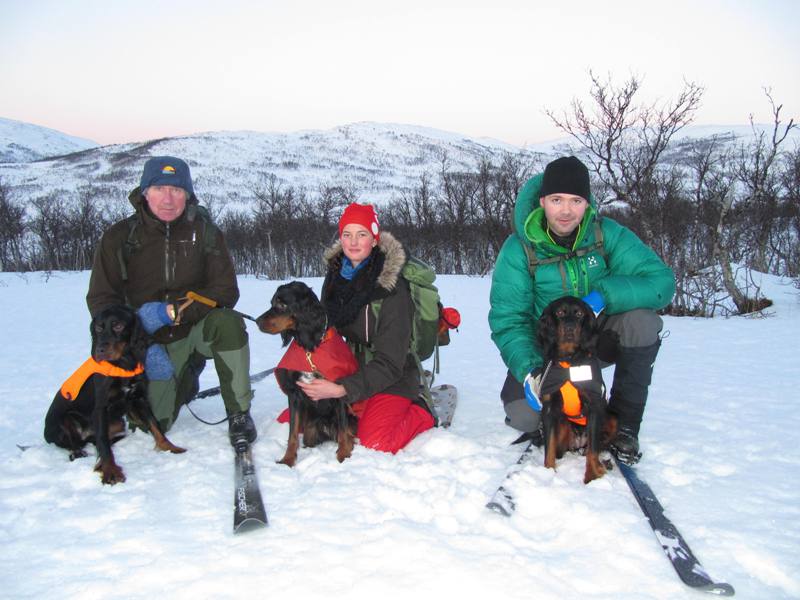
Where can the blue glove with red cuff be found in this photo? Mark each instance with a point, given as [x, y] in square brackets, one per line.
[154, 316]
[595, 301]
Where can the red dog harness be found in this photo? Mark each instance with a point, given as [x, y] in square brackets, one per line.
[333, 358]
[72, 386]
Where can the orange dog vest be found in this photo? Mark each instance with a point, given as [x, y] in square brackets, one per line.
[572, 400]
[72, 386]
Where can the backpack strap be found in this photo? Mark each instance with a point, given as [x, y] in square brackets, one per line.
[128, 247]
[132, 243]
[534, 261]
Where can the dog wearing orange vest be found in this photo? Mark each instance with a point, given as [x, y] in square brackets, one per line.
[106, 388]
[572, 390]
[315, 350]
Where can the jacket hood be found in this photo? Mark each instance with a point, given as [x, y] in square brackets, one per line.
[394, 259]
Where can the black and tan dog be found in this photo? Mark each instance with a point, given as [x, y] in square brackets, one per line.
[315, 351]
[572, 392]
[109, 386]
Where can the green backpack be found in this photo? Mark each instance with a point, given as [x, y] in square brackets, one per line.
[425, 338]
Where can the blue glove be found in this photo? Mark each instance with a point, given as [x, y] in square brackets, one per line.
[157, 364]
[595, 301]
[532, 384]
[154, 316]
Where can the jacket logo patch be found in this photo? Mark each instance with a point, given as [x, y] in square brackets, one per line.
[592, 261]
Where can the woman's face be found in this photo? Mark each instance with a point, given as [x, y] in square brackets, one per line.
[357, 242]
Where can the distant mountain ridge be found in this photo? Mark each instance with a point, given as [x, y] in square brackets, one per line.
[378, 161]
[24, 142]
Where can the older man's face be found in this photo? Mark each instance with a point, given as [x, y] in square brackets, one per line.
[166, 202]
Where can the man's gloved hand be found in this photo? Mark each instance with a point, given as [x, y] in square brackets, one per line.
[155, 315]
[595, 301]
[532, 384]
[157, 364]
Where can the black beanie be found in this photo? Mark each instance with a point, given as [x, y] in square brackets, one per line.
[566, 175]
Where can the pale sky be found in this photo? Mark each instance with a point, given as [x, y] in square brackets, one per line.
[119, 71]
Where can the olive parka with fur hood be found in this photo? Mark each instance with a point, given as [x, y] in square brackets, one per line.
[627, 273]
[391, 368]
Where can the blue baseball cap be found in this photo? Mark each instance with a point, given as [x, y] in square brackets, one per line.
[166, 170]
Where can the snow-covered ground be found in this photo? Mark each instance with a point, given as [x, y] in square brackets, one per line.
[721, 452]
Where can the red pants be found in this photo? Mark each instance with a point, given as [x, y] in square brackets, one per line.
[387, 423]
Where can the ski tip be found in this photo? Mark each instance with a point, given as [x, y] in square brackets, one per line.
[498, 508]
[718, 589]
[250, 524]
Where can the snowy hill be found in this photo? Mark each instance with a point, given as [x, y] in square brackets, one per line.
[22, 142]
[721, 453]
[378, 160]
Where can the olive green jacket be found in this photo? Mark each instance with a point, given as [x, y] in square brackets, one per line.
[161, 262]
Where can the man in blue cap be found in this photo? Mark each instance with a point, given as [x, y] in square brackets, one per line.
[150, 260]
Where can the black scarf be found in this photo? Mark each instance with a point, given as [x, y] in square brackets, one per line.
[344, 299]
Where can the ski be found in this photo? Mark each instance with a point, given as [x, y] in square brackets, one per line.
[675, 547]
[502, 501]
[248, 507]
[216, 389]
[445, 400]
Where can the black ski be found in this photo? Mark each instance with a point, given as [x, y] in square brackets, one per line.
[502, 501]
[675, 547]
[248, 507]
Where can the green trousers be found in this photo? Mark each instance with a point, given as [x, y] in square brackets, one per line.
[222, 336]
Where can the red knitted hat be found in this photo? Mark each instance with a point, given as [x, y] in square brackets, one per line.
[362, 214]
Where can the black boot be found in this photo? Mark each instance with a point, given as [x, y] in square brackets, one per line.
[632, 376]
[241, 428]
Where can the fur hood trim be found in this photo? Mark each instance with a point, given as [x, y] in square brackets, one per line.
[394, 259]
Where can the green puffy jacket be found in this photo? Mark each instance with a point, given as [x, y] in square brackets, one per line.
[626, 272]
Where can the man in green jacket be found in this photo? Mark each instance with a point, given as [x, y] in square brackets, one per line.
[562, 247]
[150, 261]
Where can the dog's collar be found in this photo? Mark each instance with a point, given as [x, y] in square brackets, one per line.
[327, 334]
[72, 386]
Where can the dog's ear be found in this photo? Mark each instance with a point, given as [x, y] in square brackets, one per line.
[311, 319]
[546, 334]
[140, 340]
[588, 340]
[92, 334]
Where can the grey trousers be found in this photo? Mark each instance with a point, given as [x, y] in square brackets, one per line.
[638, 328]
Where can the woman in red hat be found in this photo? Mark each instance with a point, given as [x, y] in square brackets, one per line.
[364, 265]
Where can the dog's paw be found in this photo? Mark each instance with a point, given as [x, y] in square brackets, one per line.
[111, 473]
[77, 454]
[288, 461]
